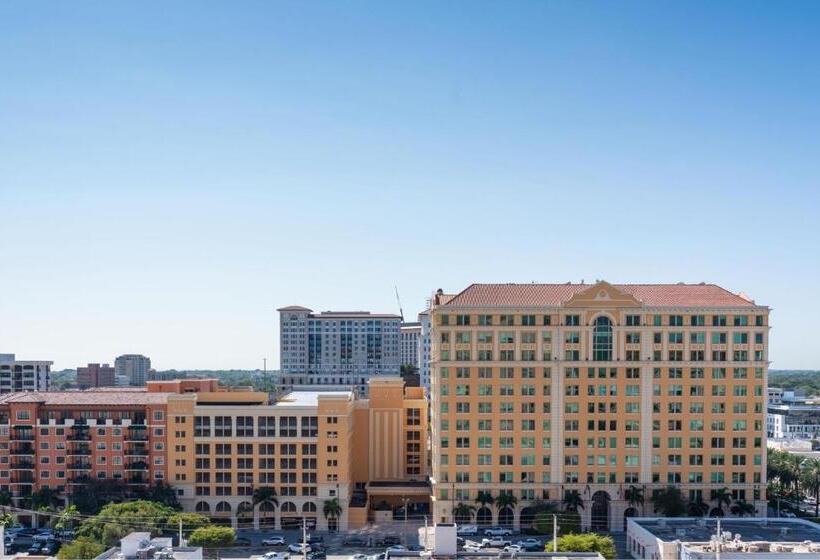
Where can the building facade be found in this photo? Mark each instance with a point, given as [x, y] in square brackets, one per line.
[793, 421]
[424, 350]
[538, 390]
[23, 375]
[95, 375]
[215, 446]
[409, 351]
[132, 370]
[336, 350]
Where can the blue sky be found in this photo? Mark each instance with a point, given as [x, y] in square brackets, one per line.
[172, 172]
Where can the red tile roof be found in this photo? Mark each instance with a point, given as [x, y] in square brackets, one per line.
[549, 295]
[87, 398]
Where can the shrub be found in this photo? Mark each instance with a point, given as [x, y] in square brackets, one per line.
[212, 536]
[586, 542]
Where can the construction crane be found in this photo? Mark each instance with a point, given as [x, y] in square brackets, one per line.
[398, 300]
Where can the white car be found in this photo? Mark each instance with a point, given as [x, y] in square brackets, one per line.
[514, 548]
[530, 544]
[274, 540]
[467, 530]
[495, 542]
[396, 548]
[299, 548]
[276, 556]
[497, 532]
[358, 557]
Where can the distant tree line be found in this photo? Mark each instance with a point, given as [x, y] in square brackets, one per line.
[797, 379]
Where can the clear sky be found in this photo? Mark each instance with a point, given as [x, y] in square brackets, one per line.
[172, 172]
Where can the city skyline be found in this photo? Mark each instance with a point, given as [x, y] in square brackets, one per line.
[170, 176]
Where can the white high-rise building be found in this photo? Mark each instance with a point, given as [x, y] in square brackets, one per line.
[410, 334]
[424, 350]
[131, 369]
[336, 349]
[23, 375]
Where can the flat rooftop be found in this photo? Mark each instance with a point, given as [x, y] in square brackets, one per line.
[309, 398]
[749, 529]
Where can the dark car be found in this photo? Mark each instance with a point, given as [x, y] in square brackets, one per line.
[389, 540]
[355, 541]
[242, 542]
[315, 539]
[50, 548]
[316, 555]
[35, 548]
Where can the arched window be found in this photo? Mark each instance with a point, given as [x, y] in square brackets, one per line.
[602, 340]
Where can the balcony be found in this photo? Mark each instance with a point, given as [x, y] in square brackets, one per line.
[78, 451]
[79, 466]
[82, 479]
[22, 465]
[22, 478]
[24, 449]
[136, 480]
[136, 436]
[79, 437]
[20, 435]
[136, 466]
[136, 452]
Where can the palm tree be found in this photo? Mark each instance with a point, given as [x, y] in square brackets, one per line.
[698, 508]
[265, 494]
[573, 501]
[742, 508]
[463, 511]
[810, 478]
[332, 508]
[722, 496]
[7, 519]
[67, 518]
[484, 498]
[669, 502]
[634, 496]
[794, 467]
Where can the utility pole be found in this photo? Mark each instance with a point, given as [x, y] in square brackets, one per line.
[554, 533]
[180, 533]
[719, 539]
[304, 537]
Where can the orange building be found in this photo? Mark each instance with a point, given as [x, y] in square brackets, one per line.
[216, 446]
[539, 390]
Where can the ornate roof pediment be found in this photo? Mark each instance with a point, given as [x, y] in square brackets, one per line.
[602, 295]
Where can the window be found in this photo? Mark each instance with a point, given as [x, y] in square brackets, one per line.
[602, 340]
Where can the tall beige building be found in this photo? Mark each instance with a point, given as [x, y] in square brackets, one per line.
[541, 389]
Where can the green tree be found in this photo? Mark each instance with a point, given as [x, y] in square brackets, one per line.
[265, 494]
[669, 502]
[505, 499]
[67, 518]
[463, 513]
[634, 495]
[81, 548]
[332, 508]
[7, 519]
[5, 498]
[810, 478]
[743, 508]
[117, 520]
[698, 508]
[46, 497]
[190, 521]
[722, 496]
[585, 542]
[212, 536]
[573, 501]
[162, 493]
[542, 523]
[484, 498]
[93, 494]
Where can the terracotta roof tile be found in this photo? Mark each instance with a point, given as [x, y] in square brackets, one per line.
[86, 398]
[549, 295]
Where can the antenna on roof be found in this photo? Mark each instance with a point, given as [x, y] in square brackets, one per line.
[398, 300]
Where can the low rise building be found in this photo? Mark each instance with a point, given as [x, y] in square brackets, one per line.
[700, 538]
[95, 375]
[140, 546]
[793, 421]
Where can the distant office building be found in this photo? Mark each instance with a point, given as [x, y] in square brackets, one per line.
[332, 349]
[793, 421]
[410, 335]
[23, 375]
[95, 375]
[132, 369]
[424, 350]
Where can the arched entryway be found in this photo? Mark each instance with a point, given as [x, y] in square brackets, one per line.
[244, 515]
[506, 517]
[267, 515]
[599, 512]
[484, 516]
[526, 517]
[222, 513]
[203, 508]
[630, 512]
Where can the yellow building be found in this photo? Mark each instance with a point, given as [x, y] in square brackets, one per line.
[539, 390]
[308, 447]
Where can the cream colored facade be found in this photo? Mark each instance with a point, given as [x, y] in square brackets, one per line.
[538, 390]
[309, 447]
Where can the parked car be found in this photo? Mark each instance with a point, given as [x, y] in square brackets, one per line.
[467, 530]
[396, 548]
[35, 548]
[299, 548]
[359, 557]
[498, 532]
[513, 548]
[50, 548]
[530, 544]
[355, 541]
[274, 540]
[315, 539]
[317, 555]
[388, 540]
[495, 542]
